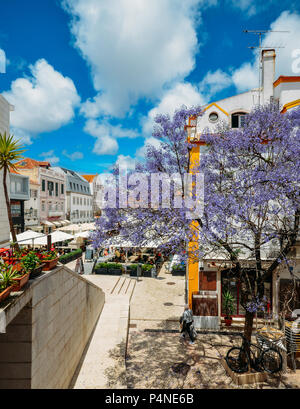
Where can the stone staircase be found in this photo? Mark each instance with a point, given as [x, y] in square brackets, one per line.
[124, 286]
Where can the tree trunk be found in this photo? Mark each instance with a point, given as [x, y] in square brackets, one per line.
[12, 230]
[249, 317]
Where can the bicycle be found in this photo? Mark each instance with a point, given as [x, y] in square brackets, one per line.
[241, 359]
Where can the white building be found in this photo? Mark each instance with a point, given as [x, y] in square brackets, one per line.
[96, 189]
[285, 91]
[5, 109]
[79, 200]
[50, 199]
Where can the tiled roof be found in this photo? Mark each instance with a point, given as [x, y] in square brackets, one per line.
[28, 163]
[90, 178]
[13, 171]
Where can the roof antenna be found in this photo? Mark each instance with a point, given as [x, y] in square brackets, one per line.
[260, 33]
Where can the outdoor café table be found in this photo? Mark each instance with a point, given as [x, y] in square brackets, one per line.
[268, 337]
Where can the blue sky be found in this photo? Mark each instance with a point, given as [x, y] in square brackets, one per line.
[87, 77]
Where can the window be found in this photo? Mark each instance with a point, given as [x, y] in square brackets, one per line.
[43, 185]
[213, 117]
[74, 200]
[50, 187]
[43, 206]
[56, 189]
[238, 120]
[62, 189]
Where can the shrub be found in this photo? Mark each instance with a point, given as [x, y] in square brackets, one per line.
[114, 266]
[66, 258]
[147, 267]
[178, 267]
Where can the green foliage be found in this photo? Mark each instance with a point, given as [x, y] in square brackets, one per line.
[66, 258]
[109, 266]
[10, 151]
[48, 255]
[30, 261]
[114, 266]
[178, 267]
[8, 276]
[147, 267]
[228, 302]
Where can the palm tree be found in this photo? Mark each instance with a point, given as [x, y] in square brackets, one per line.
[10, 152]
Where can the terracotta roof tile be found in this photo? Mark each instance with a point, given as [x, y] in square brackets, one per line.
[28, 163]
[89, 178]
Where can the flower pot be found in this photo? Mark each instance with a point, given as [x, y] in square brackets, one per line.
[10, 260]
[228, 321]
[36, 272]
[133, 273]
[20, 282]
[178, 272]
[5, 293]
[146, 273]
[49, 264]
[115, 271]
[101, 271]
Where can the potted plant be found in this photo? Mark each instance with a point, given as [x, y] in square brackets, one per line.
[14, 277]
[146, 270]
[7, 275]
[132, 270]
[178, 270]
[32, 264]
[228, 302]
[50, 259]
[101, 268]
[114, 269]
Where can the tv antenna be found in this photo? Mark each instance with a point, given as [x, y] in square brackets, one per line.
[260, 33]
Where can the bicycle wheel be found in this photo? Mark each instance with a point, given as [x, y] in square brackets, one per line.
[237, 360]
[255, 358]
[271, 360]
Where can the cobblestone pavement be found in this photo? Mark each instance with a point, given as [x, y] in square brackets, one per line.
[163, 360]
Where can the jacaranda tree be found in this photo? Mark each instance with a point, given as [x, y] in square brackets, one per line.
[251, 197]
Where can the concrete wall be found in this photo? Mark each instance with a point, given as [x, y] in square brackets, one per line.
[4, 127]
[64, 308]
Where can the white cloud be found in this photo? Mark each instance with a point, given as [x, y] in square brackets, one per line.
[245, 77]
[214, 82]
[107, 135]
[50, 157]
[22, 136]
[133, 51]
[182, 93]
[287, 21]
[73, 156]
[43, 102]
[249, 7]
[141, 152]
[125, 162]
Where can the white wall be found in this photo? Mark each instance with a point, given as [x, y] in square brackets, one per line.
[4, 127]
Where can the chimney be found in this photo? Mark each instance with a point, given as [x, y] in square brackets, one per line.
[268, 74]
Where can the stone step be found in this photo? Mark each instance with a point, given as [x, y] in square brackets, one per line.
[115, 290]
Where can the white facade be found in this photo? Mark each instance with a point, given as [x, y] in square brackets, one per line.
[285, 91]
[80, 207]
[79, 201]
[5, 109]
[32, 206]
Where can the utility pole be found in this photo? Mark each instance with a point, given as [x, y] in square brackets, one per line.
[260, 33]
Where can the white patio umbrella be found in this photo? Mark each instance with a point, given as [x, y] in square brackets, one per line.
[28, 237]
[72, 228]
[56, 237]
[83, 234]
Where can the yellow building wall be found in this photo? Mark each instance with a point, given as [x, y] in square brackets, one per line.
[193, 265]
